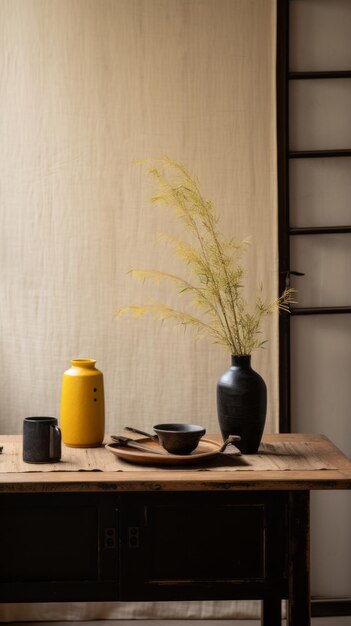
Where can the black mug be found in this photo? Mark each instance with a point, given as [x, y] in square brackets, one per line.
[41, 440]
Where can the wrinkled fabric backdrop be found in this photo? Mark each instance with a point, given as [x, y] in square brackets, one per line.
[87, 88]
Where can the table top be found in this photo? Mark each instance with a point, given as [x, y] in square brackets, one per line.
[337, 476]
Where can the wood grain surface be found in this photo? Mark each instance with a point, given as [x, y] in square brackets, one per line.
[171, 479]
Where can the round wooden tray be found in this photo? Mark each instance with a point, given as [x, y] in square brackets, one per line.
[205, 450]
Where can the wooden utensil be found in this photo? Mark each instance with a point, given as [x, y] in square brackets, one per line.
[126, 441]
[141, 432]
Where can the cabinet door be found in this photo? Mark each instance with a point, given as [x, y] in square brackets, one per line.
[200, 545]
[58, 547]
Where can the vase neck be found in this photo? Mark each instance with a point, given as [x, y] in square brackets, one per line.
[86, 363]
[241, 360]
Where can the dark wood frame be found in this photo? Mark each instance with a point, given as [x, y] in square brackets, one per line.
[282, 91]
[283, 77]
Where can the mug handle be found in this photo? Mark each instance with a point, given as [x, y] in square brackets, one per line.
[55, 442]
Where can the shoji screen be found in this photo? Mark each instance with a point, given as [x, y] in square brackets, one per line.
[320, 247]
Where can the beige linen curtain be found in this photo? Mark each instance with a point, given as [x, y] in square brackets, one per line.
[87, 88]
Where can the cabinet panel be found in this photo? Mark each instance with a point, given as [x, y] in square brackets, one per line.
[229, 546]
[60, 545]
[202, 544]
[52, 543]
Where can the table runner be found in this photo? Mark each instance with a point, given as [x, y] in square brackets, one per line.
[282, 455]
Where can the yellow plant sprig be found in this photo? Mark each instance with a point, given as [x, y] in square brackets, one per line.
[216, 273]
[164, 312]
[191, 209]
[202, 297]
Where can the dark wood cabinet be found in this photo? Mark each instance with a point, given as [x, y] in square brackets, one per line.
[166, 534]
[141, 546]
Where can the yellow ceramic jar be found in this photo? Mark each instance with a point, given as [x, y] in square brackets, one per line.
[82, 418]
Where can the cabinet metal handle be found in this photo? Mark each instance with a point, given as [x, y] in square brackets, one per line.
[133, 537]
[110, 538]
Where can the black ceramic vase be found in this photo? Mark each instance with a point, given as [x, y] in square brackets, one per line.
[242, 404]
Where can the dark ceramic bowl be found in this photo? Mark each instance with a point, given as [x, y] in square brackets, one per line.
[179, 438]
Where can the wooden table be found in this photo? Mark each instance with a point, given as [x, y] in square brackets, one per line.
[169, 534]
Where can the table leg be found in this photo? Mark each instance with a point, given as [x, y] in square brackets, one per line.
[271, 612]
[299, 605]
